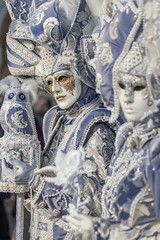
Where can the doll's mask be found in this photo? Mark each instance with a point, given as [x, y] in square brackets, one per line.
[64, 87]
[134, 96]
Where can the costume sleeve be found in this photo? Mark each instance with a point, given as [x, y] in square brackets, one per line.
[153, 172]
[102, 228]
[98, 151]
[105, 227]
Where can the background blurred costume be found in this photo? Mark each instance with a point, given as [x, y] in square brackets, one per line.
[131, 196]
[54, 47]
[20, 138]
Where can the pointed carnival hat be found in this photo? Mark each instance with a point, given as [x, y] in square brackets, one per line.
[51, 41]
[151, 27]
[21, 46]
[89, 39]
[123, 52]
[111, 43]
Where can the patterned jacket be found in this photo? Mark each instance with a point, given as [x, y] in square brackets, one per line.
[131, 196]
[87, 127]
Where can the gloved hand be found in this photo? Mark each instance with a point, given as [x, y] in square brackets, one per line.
[49, 173]
[81, 224]
[16, 171]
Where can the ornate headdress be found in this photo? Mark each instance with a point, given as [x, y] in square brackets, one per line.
[122, 51]
[46, 38]
[21, 46]
[152, 43]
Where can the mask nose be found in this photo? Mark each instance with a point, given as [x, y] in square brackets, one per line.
[128, 95]
[56, 87]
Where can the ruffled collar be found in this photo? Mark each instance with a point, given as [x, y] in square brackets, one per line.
[69, 115]
[145, 129]
[88, 95]
[136, 134]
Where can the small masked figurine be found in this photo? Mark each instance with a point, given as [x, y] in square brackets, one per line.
[53, 54]
[131, 195]
[20, 137]
[20, 145]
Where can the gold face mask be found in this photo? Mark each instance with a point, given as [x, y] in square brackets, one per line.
[64, 87]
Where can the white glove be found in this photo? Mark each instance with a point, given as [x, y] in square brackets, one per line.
[81, 224]
[16, 171]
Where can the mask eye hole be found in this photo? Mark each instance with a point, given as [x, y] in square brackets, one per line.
[49, 82]
[22, 96]
[62, 78]
[121, 85]
[11, 95]
[139, 88]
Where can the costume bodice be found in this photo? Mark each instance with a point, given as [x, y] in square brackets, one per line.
[86, 127]
[130, 197]
[126, 191]
[70, 132]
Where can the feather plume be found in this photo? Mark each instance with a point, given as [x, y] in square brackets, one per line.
[8, 82]
[31, 87]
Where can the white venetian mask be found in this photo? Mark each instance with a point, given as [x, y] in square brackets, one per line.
[64, 87]
[134, 97]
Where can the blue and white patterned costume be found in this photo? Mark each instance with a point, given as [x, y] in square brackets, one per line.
[90, 129]
[20, 136]
[131, 196]
[55, 45]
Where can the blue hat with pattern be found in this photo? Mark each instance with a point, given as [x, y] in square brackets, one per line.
[151, 27]
[52, 36]
[88, 48]
[22, 54]
[114, 43]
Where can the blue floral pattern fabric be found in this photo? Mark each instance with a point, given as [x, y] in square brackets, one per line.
[131, 195]
[98, 144]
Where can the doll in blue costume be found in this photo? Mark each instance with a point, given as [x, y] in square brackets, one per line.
[131, 195]
[45, 44]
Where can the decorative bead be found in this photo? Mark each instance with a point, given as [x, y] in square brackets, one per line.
[56, 212]
[42, 205]
[127, 10]
[134, 81]
[135, 17]
[138, 170]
